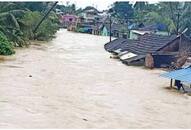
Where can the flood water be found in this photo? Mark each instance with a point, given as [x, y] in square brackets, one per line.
[71, 82]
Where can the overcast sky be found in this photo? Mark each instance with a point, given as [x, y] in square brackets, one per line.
[99, 4]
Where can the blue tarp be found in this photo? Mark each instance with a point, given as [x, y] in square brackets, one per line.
[161, 27]
[181, 74]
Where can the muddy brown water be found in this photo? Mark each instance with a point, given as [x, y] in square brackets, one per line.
[71, 82]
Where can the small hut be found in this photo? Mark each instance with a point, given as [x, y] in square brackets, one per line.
[181, 75]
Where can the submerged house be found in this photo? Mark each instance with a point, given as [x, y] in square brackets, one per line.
[68, 20]
[85, 28]
[91, 21]
[157, 28]
[96, 29]
[117, 30]
[150, 49]
[90, 15]
[134, 26]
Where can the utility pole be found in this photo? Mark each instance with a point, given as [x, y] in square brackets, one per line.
[178, 21]
[34, 31]
[179, 8]
[127, 31]
[110, 28]
[110, 22]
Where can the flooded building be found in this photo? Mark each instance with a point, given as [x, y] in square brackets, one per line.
[91, 21]
[90, 15]
[150, 50]
[140, 30]
[68, 20]
[117, 30]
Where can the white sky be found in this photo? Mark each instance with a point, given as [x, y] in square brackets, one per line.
[99, 4]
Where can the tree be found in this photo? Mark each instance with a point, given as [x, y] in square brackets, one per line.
[141, 9]
[10, 25]
[35, 6]
[68, 8]
[171, 10]
[5, 46]
[140, 6]
[17, 22]
[154, 18]
[122, 10]
[185, 21]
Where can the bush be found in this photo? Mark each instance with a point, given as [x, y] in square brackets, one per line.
[45, 31]
[29, 20]
[6, 47]
[48, 28]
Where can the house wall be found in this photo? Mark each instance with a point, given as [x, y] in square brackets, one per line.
[162, 33]
[104, 32]
[149, 61]
[116, 33]
[178, 45]
[185, 45]
[95, 32]
[163, 60]
[173, 47]
[133, 35]
[89, 16]
[159, 61]
[67, 20]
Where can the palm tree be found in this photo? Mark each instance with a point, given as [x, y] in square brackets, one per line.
[185, 18]
[10, 25]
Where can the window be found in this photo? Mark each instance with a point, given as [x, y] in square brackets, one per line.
[70, 19]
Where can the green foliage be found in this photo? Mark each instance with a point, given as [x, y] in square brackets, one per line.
[154, 17]
[68, 8]
[140, 6]
[122, 10]
[5, 46]
[176, 15]
[10, 26]
[35, 6]
[48, 28]
[29, 21]
[18, 20]
[186, 18]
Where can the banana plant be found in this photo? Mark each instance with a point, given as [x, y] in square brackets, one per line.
[10, 25]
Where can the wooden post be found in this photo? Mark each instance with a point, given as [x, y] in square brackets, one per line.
[171, 83]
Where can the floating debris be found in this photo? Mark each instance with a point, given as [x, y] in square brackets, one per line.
[85, 119]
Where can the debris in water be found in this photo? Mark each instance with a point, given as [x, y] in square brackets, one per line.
[85, 119]
[12, 66]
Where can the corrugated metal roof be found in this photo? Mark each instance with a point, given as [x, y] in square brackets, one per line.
[181, 74]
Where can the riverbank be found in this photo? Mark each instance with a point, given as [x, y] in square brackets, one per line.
[71, 82]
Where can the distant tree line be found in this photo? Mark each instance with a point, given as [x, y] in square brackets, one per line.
[176, 15]
[69, 8]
